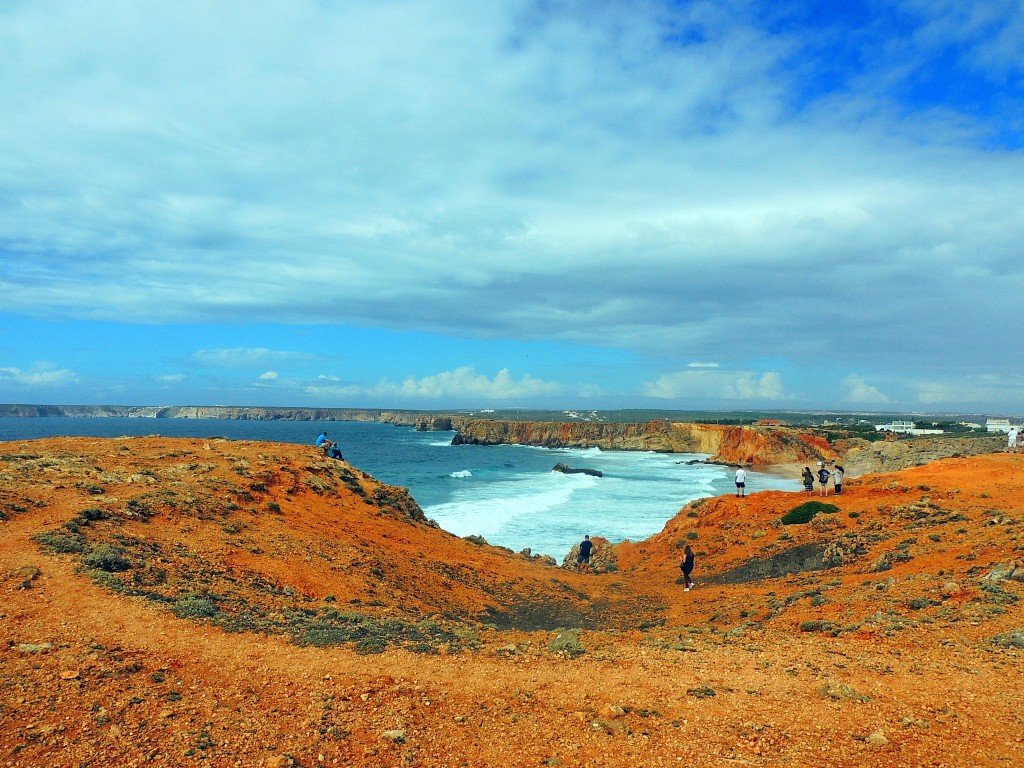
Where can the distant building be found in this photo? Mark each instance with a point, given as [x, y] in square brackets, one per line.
[768, 423]
[998, 425]
[900, 427]
[905, 428]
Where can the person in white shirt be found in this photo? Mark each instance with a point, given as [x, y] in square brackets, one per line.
[741, 481]
[1011, 440]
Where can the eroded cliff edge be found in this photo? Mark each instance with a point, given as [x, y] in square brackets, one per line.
[751, 446]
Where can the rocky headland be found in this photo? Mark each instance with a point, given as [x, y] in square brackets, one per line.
[176, 602]
[752, 446]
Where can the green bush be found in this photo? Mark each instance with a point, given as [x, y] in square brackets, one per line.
[107, 558]
[61, 543]
[806, 511]
[194, 607]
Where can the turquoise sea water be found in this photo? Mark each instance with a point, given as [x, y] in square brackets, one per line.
[507, 494]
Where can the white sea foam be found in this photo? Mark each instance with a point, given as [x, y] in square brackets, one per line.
[461, 473]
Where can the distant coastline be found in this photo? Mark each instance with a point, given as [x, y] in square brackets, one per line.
[250, 413]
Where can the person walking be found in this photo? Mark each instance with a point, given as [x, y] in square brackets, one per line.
[741, 481]
[583, 558]
[1011, 440]
[823, 476]
[837, 478]
[808, 481]
[687, 568]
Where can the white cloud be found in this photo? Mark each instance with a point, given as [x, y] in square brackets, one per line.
[854, 389]
[972, 391]
[171, 378]
[268, 376]
[41, 377]
[718, 385]
[249, 357]
[654, 177]
[465, 382]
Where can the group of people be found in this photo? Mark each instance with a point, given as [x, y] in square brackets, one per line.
[836, 475]
[329, 447]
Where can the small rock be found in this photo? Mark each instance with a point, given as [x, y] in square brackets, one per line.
[608, 726]
[397, 735]
[877, 739]
[949, 589]
[35, 647]
[842, 692]
[616, 711]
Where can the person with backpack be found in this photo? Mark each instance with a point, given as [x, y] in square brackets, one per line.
[823, 476]
[808, 481]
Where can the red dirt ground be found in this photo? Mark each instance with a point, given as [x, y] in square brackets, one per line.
[362, 635]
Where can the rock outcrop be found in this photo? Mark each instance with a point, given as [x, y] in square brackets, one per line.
[565, 469]
[750, 446]
[861, 457]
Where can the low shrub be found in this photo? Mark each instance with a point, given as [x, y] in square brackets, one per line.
[107, 558]
[61, 543]
[806, 511]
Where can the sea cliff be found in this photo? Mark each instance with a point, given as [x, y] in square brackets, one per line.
[753, 446]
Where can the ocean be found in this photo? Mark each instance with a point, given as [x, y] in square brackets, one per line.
[505, 493]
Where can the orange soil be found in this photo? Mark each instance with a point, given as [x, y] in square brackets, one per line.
[93, 672]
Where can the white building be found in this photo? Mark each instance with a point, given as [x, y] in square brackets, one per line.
[900, 427]
[998, 425]
[905, 428]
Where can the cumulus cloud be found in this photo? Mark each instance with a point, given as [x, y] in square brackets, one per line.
[465, 382]
[39, 378]
[671, 179]
[718, 385]
[268, 376]
[854, 389]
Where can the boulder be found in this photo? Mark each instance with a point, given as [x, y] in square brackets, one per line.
[565, 469]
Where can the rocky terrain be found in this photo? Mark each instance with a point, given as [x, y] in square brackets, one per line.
[177, 602]
[726, 444]
[861, 457]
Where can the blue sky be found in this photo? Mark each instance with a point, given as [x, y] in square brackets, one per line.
[730, 204]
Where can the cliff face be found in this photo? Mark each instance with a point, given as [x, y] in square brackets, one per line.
[733, 445]
[862, 457]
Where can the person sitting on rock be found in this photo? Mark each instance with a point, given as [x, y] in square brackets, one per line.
[330, 449]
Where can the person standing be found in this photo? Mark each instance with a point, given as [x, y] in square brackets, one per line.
[823, 476]
[741, 481]
[808, 480]
[837, 478]
[583, 558]
[1011, 440]
[687, 567]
